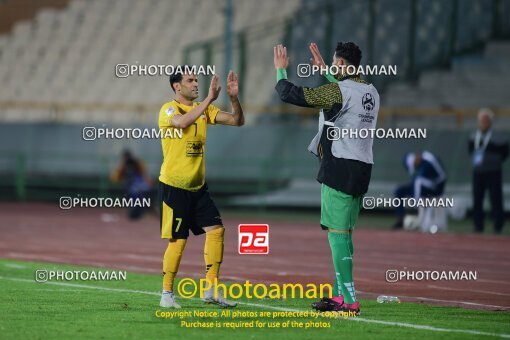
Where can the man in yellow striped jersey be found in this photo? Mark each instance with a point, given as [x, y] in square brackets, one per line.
[185, 201]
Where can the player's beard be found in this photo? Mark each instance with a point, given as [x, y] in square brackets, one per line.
[192, 95]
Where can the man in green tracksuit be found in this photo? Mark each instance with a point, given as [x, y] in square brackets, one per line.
[346, 103]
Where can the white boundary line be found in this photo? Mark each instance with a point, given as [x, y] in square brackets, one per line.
[454, 302]
[380, 322]
[56, 261]
[467, 290]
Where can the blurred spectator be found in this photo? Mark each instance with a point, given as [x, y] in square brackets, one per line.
[428, 179]
[488, 150]
[136, 185]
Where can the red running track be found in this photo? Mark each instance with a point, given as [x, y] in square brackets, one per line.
[299, 252]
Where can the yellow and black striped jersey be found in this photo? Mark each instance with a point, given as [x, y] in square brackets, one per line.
[183, 150]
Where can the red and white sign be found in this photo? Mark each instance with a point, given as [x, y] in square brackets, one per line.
[253, 239]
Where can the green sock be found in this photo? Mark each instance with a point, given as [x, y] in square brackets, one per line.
[336, 292]
[351, 247]
[342, 250]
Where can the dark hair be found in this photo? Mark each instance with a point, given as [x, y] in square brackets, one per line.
[349, 51]
[176, 77]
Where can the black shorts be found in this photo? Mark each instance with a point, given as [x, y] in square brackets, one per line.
[183, 210]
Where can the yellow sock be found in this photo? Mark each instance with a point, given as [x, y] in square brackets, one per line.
[171, 262]
[213, 253]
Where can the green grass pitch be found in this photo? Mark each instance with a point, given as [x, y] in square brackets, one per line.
[126, 309]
